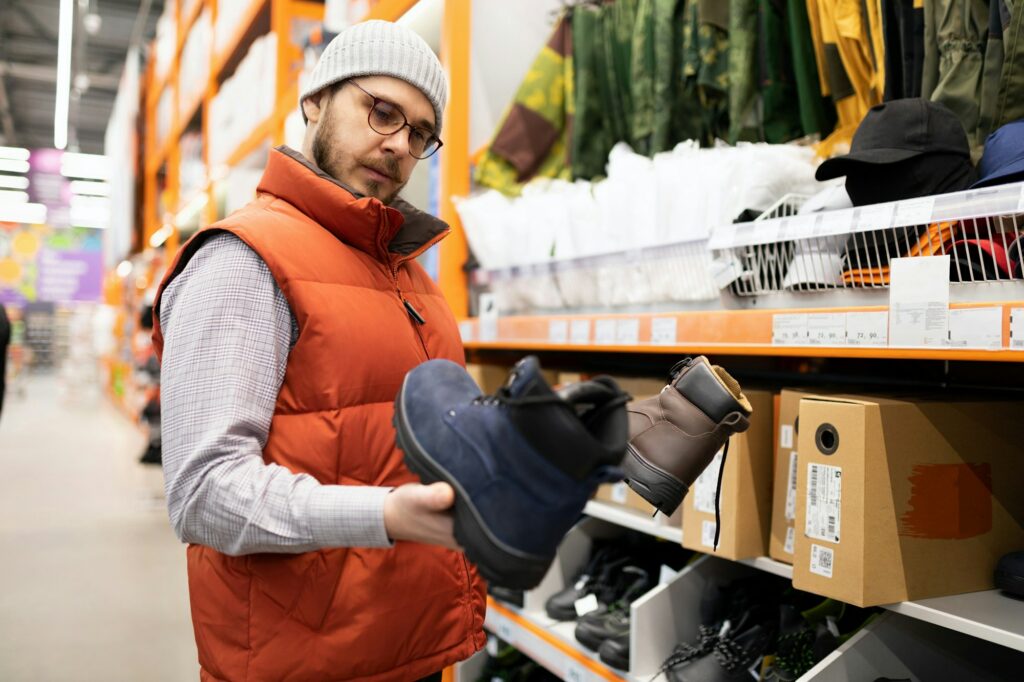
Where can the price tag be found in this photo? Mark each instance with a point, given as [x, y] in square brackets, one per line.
[786, 433]
[874, 217]
[574, 672]
[488, 306]
[627, 332]
[466, 330]
[558, 331]
[976, 328]
[914, 211]
[790, 536]
[1020, 202]
[801, 227]
[587, 604]
[867, 329]
[826, 329]
[707, 533]
[789, 329]
[663, 331]
[604, 332]
[919, 302]
[1017, 327]
[579, 332]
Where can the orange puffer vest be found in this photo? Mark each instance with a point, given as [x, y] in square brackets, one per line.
[346, 266]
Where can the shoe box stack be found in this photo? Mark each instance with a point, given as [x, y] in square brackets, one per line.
[872, 499]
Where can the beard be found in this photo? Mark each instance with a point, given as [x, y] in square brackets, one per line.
[328, 162]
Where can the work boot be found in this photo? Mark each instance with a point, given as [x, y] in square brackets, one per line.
[675, 434]
[523, 462]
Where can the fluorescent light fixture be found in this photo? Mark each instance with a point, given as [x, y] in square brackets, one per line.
[90, 212]
[124, 268]
[23, 213]
[192, 208]
[13, 166]
[16, 153]
[13, 197]
[90, 166]
[160, 236]
[90, 188]
[13, 182]
[60, 107]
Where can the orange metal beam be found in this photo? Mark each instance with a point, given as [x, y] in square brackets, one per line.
[455, 54]
[389, 10]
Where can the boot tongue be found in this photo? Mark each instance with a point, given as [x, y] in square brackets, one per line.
[526, 381]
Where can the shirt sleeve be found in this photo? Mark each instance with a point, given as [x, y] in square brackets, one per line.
[228, 331]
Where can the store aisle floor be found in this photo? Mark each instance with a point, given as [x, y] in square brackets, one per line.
[93, 578]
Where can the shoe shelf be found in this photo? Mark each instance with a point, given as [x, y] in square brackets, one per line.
[987, 615]
[819, 332]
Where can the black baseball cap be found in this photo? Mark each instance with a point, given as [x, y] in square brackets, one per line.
[899, 130]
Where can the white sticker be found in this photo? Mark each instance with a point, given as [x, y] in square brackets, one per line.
[627, 332]
[466, 330]
[826, 329]
[801, 227]
[1017, 324]
[707, 534]
[824, 501]
[663, 331]
[492, 647]
[791, 487]
[867, 329]
[619, 492]
[1020, 202]
[874, 217]
[914, 211]
[976, 328]
[789, 329]
[835, 222]
[919, 301]
[822, 560]
[587, 604]
[604, 332]
[558, 331]
[666, 575]
[786, 436]
[705, 486]
[579, 332]
[488, 305]
[790, 534]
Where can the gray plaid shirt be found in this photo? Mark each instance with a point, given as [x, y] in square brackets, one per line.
[228, 331]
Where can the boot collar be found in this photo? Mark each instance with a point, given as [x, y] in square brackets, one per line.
[357, 220]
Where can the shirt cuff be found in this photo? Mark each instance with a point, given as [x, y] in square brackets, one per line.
[348, 516]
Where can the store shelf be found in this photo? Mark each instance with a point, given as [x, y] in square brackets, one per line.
[720, 332]
[241, 39]
[261, 135]
[549, 643]
[190, 111]
[389, 10]
[986, 615]
[628, 518]
[186, 24]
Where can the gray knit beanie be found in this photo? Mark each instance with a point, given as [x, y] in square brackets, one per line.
[381, 48]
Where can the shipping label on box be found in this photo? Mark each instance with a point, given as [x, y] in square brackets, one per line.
[824, 502]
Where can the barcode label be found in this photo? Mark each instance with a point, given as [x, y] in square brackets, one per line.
[705, 486]
[791, 488]
[786, 436]
[821, 560]
[824, 500]
[707, 533]
[790, 535]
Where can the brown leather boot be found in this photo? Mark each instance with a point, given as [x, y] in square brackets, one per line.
[675, 435]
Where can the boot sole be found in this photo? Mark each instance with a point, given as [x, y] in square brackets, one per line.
[496, 561]
[660, 488]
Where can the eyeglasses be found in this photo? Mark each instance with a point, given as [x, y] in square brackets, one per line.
[386, 118]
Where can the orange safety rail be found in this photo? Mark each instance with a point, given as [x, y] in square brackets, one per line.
[722, 332]
[591, 665]
[455, 55]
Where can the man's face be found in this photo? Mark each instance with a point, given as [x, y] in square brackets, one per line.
[349, 150]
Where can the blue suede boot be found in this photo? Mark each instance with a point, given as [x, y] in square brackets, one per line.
[523, 462]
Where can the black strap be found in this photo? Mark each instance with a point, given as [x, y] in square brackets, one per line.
[718, 495]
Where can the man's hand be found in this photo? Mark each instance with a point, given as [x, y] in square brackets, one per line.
[421, 513]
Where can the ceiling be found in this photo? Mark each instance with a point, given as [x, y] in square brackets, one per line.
[28, 67]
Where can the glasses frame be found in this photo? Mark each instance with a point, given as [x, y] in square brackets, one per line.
[405, 123]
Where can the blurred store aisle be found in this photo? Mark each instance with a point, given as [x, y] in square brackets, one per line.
[93, 578]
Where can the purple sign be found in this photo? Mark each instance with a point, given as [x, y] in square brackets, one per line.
[66, 276]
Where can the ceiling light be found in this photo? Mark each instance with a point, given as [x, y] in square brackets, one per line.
[91, 166]
[86, 187]
[160, 236]
[13, 166]
[124, 268]
[13, 182]
[60, 107]
[16, 153]
[193, 207]
[8, 197]
[23, 213]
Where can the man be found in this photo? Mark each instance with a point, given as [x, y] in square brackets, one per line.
[286, 330]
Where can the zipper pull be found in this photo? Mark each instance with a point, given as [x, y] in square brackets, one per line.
[413, 313]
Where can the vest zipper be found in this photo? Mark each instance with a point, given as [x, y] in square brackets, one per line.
[414, 314]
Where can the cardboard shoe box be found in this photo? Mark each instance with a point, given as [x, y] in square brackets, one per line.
[746, 507]
[781, 543]
[899, 500]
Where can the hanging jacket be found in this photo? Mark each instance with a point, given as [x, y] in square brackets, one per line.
[955, 33]
[346, 266]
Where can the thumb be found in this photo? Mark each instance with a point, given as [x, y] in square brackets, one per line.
[437, 496]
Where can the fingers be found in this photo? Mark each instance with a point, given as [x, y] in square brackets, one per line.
[438, 496]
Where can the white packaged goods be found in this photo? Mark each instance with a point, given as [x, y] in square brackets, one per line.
[166, 41]
[194, 69]
[245, 100]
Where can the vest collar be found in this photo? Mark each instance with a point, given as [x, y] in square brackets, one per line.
[359, 221]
